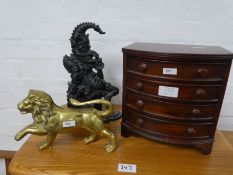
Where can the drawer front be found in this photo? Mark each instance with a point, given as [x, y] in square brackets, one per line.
[174, 70]
[185, 92]
[166, 128]
[170, 110]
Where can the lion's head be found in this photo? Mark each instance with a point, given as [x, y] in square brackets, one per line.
[38, 103]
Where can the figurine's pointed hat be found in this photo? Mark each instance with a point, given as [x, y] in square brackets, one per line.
[79, 37]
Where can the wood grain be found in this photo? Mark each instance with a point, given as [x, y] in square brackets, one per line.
[228, 136]
[69, 156]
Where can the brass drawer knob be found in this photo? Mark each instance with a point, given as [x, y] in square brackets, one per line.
[138, 86]
[191, 131]
[140, 103]
[139, 122]
[196, 112]
[142, 67]
[203, 72]
[200, 93]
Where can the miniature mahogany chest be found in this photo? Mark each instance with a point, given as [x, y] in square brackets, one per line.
[173, 93]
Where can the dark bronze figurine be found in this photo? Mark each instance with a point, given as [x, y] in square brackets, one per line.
[85, 67]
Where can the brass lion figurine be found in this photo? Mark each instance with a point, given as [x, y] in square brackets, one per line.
[50, 119]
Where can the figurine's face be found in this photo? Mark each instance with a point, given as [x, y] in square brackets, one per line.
[81, 49]
[81, 45]
[84, 48]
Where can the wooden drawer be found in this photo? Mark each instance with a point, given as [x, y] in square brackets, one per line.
[166, 128]
[208, 93]
[185, 71]
[170, 110]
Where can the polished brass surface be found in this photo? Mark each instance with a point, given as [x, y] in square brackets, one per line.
[49, 119]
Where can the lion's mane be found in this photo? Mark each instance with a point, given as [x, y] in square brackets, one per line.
[41, 105]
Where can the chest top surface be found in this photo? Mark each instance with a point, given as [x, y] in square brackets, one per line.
[177, 49]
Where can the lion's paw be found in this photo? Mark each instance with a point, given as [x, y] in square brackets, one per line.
[44, 145]
[109, 148]
[89, 139]
[18, 136]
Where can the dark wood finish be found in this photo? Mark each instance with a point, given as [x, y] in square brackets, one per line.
[186, 71]
[169, 129]
[187, 91]
[168, 110]
[190, 118]
[198, 51]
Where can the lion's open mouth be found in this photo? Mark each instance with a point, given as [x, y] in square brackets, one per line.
[23, 112]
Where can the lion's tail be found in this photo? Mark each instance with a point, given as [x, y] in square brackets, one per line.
[105, 113]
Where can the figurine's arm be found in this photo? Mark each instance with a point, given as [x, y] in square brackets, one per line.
[99, 65]
[68, 64]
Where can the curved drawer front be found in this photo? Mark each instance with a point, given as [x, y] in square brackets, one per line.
[166, 128]
[179, 71]
[170, 110]
[185, 92]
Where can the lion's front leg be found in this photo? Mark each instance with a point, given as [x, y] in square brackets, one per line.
[49, 141]
[30, 129]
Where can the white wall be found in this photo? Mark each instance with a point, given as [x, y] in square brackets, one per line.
[34, 37]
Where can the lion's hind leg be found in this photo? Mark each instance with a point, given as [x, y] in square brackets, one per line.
[89, 139]
[111, 138]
